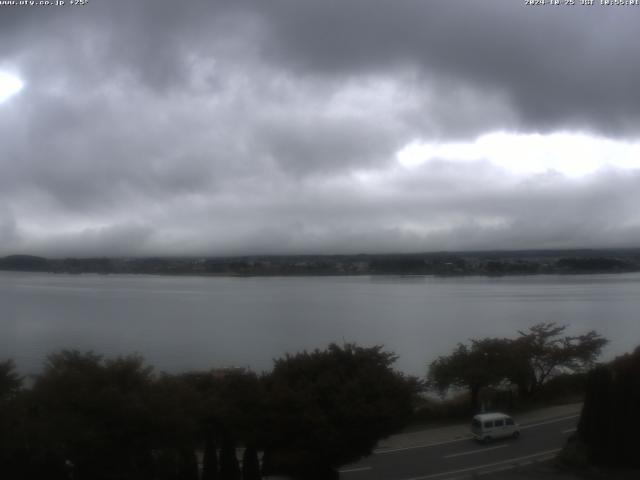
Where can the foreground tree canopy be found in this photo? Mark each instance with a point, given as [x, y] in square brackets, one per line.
[610, 420]
[87, 417]
[527, 362]
[350, 397]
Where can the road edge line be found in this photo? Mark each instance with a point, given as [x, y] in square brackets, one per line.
[486, 465]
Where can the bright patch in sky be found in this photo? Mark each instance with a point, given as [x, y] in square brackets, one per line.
[9, 86]
[571, 154]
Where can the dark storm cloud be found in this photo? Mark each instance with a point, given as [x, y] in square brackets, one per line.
[272, 127]
[560, 67]
[557, 68]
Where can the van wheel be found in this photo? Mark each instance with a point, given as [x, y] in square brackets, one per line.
[515, 434]
[487, 439]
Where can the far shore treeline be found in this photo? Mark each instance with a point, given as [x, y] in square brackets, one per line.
[86, 416]
[493, 263]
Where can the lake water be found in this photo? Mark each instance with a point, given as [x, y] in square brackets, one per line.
[180, 323]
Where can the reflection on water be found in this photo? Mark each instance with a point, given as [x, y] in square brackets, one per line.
[180, 323]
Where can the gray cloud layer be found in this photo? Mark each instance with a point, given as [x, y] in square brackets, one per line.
[153, 127]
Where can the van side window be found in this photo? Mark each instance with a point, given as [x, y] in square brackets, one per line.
[509, 421]
[488, 424]
[499, 423]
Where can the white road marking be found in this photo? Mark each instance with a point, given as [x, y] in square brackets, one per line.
[486, 465]
[359, 469]
[569, 430]
[509, 467]
[549, 421]
[423, 445]
[479, 450]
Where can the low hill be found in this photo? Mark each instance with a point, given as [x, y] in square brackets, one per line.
[24, 263]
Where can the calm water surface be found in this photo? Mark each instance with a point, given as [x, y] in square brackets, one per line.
[181, 323]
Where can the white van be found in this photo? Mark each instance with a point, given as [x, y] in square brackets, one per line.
[489, 426]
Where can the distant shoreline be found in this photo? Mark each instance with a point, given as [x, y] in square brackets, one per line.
[459, 264]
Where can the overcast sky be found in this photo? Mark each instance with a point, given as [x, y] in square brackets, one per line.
[337, 126]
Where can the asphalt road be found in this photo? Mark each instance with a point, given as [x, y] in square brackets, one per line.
[465, 457]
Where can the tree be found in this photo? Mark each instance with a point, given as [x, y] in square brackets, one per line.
[210, 459]
[330, 407]
[542, 352]
[250, 464]
[610, 416]
[188, 464]
[10, 381]
[93, 414]
[231, 402]
[229, 467]
[229, 407]
[482, 364]
[528, 362]
[10, 434]
[174, 405]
